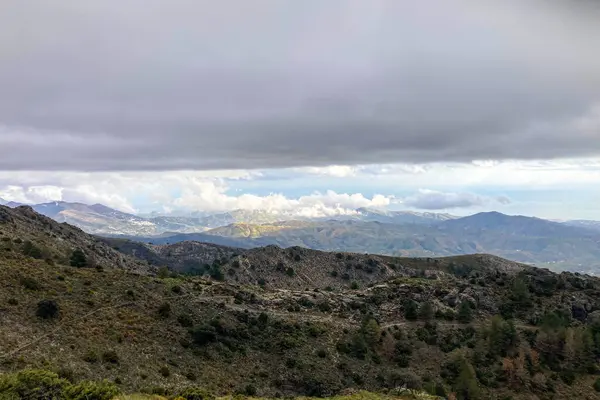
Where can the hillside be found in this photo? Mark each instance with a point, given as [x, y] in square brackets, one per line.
[22, 230]
[183, 257]
[479, 326]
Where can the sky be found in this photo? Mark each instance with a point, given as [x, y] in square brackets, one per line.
[454, 106]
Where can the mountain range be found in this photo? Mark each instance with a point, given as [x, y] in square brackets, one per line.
[524, 239]
[103, 220]
[570, 245]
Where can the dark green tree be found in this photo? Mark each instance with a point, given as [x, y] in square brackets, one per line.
[426, 311]
[78, 259]
[466, 386]
[371, 331]
[411, 310]
[465, 313]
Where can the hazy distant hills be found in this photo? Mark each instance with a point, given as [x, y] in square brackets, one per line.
[524, 239]
[103, 220]
[582, 223]
[573, 245]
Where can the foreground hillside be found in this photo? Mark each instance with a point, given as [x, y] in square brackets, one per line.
[476, 326]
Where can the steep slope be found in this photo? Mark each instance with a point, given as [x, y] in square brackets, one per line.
[100, 219]
[25, 231]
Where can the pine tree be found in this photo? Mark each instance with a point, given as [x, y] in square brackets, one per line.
[78, 259]
[371, 331]
[466, 386]
[465, 314]
[426, 311]
[411, 310]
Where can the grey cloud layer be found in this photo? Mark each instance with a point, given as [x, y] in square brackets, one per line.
[106, 85]
[435, 200]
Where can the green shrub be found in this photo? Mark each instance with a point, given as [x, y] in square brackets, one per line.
[597, 385]
[354, 285]
[29, 283]
[185, 320]
[110, 356]
[568, 377]
[204, 334]
[32, 384]
[290, 271]
[91, 391]
[163, 272]
[164, 311]
[250, 390]
[164, 371]
[177, 289]
[91, 356]
[31, 250]
[196, 394]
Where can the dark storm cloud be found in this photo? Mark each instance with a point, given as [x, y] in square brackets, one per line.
[107, 85]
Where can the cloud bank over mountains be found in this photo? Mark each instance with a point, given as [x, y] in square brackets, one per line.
[555, 189]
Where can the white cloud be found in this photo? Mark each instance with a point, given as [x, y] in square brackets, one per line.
[337, 171]
[212, 196]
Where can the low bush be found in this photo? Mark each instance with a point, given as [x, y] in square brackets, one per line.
[30, 283]
[110, 356]
[196, 394]
[91, 391]
[185, 320]
[42, 384]
[164, 311]
[47, 309]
